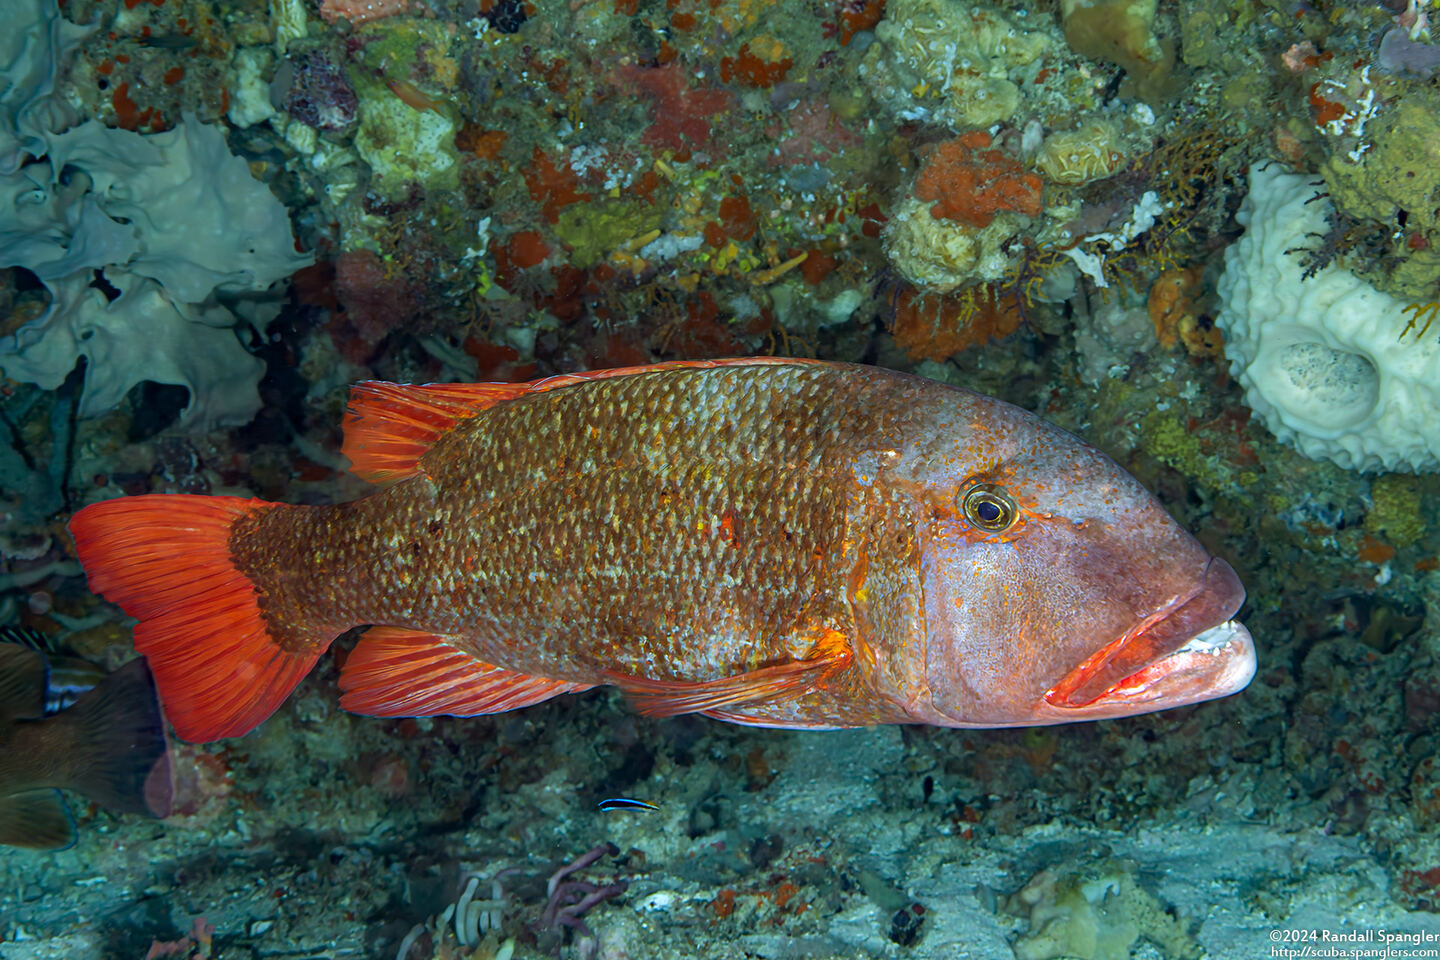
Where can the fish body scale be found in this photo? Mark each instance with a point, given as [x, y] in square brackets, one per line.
[684, 523]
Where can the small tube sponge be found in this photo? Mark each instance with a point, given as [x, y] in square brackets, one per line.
[1322, 359]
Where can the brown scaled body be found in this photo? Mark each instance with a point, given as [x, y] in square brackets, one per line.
[684, 524]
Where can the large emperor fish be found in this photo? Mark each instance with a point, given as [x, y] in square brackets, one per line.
[783, 543]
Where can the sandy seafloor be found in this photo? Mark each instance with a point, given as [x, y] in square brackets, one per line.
[1309, 804]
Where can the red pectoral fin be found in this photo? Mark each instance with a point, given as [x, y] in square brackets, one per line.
[781, 681]
[397, 672]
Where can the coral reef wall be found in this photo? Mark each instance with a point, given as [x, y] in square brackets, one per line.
[215, 215]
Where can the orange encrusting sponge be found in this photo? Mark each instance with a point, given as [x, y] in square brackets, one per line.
[971, 184]
[165, 560]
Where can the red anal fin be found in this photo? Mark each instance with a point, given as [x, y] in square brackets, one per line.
[398, 672]
[389, 426]
[760, 719]
[781, 681]
[165, 559]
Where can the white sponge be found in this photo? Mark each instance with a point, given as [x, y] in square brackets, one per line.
[1322, 359]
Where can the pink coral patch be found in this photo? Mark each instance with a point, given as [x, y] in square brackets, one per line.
[815, 135]
[682, 117]
[361, 11]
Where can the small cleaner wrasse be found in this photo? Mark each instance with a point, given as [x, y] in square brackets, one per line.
[783, 543]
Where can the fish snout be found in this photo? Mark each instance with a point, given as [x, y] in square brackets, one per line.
[1187, 652]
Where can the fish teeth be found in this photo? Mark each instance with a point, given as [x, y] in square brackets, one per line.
[1213, 640]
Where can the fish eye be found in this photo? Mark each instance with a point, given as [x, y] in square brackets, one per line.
[989, 507]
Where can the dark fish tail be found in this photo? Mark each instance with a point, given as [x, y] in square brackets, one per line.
[110, 746]
[118, 754]
[31, 815]
[37, 819]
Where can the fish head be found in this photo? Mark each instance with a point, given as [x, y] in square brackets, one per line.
[1054, 587]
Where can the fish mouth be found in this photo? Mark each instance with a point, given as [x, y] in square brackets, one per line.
[1190, 650]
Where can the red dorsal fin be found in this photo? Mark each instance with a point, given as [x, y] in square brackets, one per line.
[165, 559]
[398, 672]
[667, 698]
[389, 426]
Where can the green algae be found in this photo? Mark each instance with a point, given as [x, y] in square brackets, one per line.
[1395, 516]
[1400, 173]
[1095, 911]
[593, 230]
[404, 64]
[1122, 32]
[1167, 440]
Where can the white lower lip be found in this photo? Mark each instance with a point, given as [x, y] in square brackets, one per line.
[1215, 663]
[1229, 669]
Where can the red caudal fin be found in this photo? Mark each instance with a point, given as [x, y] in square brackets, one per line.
[166, 561]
